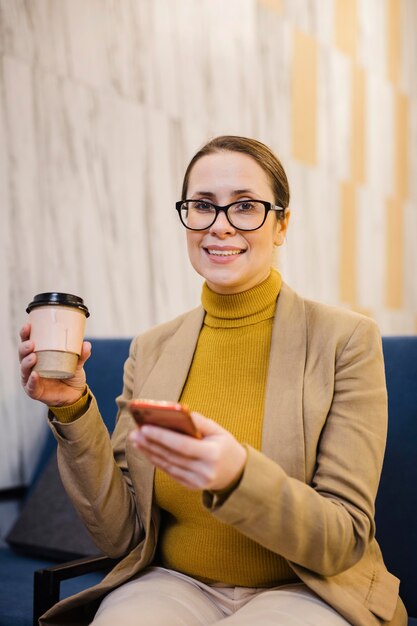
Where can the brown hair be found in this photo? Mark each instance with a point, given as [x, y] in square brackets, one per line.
[259, 152]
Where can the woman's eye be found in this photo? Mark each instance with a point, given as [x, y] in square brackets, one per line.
[202, 206]
[245, 206]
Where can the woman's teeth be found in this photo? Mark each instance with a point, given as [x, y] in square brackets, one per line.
[223, 252]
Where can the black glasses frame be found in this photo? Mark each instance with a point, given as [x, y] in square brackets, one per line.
[267, 205]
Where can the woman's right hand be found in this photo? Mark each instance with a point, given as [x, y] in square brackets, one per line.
[52, 392]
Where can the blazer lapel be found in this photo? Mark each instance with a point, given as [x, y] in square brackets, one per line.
[169, 374]
[283, 429]
[165, 382]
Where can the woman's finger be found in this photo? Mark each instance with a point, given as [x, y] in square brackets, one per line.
[182, 470]
[26, 367]
[171, 441]
[25, 348]
[161, 456]
[150, 445]
[34, 386]
[25, 332]
[205, 425]
[85, 354]
[197, 469]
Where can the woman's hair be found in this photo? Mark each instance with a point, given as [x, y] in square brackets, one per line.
[259, 152]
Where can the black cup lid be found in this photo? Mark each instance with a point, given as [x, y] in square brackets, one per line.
[55, 298]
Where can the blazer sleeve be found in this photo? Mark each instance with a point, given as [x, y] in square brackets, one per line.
[95, 476]
[326, 525]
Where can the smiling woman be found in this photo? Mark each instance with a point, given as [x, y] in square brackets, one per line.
[268, 517]
[232, 259]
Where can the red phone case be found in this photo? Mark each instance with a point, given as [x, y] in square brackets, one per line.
[171, 415]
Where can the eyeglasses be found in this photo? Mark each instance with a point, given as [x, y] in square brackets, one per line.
[243, 214]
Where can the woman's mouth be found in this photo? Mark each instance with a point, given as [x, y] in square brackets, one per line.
[223, 252]
[220, 255]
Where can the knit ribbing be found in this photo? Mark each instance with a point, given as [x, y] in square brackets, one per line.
[226, 382]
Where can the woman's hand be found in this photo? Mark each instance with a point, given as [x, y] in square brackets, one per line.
[211, 463]
[52, 392]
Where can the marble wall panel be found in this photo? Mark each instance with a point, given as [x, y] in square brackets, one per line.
[161, 86]
[321, 225]
[193, 73]
[273, 94]
[410, 254]
[233, 68]
[291, 264]
[21, 146]
[372, 37]
[314, 273]
[19, 416]
[412, 143]
[324, 22]
[371, 234]
[408, 78]
[314, 18]
[4, 178]
[16, 32]
[396, 320]
[175, 283]
[89, 184]
[334, 113]
[99, 57]
[379, 128]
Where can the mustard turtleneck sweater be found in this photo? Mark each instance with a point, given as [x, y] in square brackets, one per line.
[226, 382]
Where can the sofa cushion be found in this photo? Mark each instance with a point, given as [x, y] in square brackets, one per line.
[396, 503]
[48, 525]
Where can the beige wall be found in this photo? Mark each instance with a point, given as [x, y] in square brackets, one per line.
[102, 103]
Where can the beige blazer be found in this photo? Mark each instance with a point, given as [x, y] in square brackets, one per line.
[308, 495]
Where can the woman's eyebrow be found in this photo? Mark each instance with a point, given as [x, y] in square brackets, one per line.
[235, 192]
[238, 192]
[210, 194]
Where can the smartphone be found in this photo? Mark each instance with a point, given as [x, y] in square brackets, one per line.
[172, 415]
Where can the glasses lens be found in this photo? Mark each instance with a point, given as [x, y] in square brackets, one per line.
[197, 214]
[246, 214]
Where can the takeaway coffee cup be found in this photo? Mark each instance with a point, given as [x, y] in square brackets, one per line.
[57, 330]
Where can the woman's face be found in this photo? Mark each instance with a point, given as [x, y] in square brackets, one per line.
[231, 260]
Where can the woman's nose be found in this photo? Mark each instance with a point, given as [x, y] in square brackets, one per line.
[221, 225]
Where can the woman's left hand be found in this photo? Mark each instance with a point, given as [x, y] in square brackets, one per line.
[211, 463]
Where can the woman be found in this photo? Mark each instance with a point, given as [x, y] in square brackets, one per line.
[268, 519]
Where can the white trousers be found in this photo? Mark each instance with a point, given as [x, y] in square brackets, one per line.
[161, 597]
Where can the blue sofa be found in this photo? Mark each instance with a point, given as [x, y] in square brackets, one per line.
[396, 506]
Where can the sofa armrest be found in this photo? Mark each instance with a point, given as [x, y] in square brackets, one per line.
[47, 582]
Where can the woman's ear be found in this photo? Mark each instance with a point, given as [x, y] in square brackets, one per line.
[281, 230]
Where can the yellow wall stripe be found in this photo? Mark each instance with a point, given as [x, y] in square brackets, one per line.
[345, 26]
[358, 125]
[394, 271]
[393, 39]
[348, 243]
[304, 99]
[273, 5]
[401, 146]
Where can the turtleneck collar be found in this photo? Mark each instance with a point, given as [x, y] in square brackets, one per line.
[242, 309]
